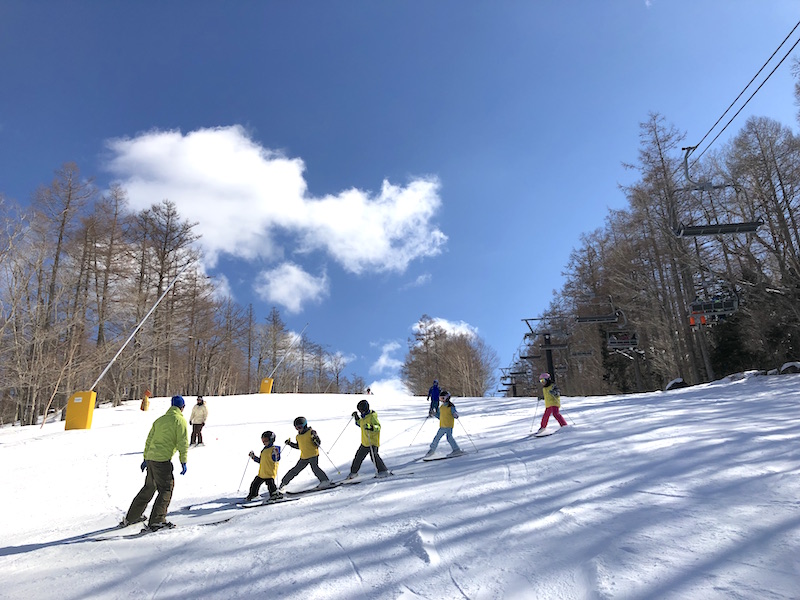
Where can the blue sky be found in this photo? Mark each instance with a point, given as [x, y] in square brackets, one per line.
[360, 164]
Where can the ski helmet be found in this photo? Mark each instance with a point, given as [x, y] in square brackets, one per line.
[300, 422]
[270, 437]
[178, 401]
[363, 407]
[200, 400]
[435, 382]
[545, 378]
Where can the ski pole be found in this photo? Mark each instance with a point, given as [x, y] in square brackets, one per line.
[243, 474]
[340, 435]
[372, 454]
[468, 437]
[570, 418]
[420, 429]
[535, 412]
[330, 461]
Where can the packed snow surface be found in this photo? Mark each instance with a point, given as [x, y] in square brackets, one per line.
[692, 493]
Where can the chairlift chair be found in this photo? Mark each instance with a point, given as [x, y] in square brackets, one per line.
[618, 340]
[710, 229]
[707, 312]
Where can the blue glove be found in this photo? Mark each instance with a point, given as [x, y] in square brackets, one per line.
[144, 466]
[183, 470]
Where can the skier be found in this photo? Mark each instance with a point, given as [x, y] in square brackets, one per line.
[197, 419]
[447, 417]
[370, 440]
[169, 434]
[308, 443]
[268, 467]
[433, 396]
[552, 402]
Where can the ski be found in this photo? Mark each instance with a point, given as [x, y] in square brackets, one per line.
[546, 433]
[313, 490]
[446, 456]
[265, 502]
[390, 476]
[212, 505]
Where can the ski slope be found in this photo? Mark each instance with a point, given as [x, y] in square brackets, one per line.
[692, 493]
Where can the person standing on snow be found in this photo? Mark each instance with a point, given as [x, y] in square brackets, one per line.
[267, 467]
[370, 440]
[433, 396]
[447, 416]
[308, 443]
[552, 402]
[168, 435]
[197, 419]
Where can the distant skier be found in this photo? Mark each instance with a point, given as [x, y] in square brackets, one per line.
[168, 435]
[433, 396]
[308, 443]
[552, 402]
[267, 467]
[197, 419]
[370, 440]
[447, 416]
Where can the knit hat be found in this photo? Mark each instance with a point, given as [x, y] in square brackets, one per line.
[178, 401]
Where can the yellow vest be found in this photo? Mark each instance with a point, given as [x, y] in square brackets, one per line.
[307, 447]
[268, 465]
[370, 437]
[446, 416]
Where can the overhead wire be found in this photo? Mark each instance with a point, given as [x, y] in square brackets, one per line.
[745, 89]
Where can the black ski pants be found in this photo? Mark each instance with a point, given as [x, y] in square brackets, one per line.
[197, 436]
[256, 485]
[302, 464]
[159, 479]
[362, 453]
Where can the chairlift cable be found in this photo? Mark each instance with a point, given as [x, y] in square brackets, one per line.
[785, 56]
[722, 116]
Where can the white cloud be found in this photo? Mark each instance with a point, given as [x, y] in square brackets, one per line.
[418, 282]
[290, 286]
[237, 191]
[253, 203]
[386, 362]
[452, 328]
[222, 287]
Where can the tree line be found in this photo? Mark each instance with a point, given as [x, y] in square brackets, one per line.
[463, 363]
[79, 270]
[639, 269]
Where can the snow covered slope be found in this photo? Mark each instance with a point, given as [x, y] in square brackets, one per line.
[692, 493]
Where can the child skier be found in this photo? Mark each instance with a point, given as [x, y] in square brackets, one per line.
[268, 467]
[447, 416]
[308, 443]
[370, 440]
[552, 402]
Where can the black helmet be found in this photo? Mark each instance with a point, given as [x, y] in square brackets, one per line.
[270, 437]
[300, 422]
[363, 407]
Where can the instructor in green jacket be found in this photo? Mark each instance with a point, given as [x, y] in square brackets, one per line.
[168, 435]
